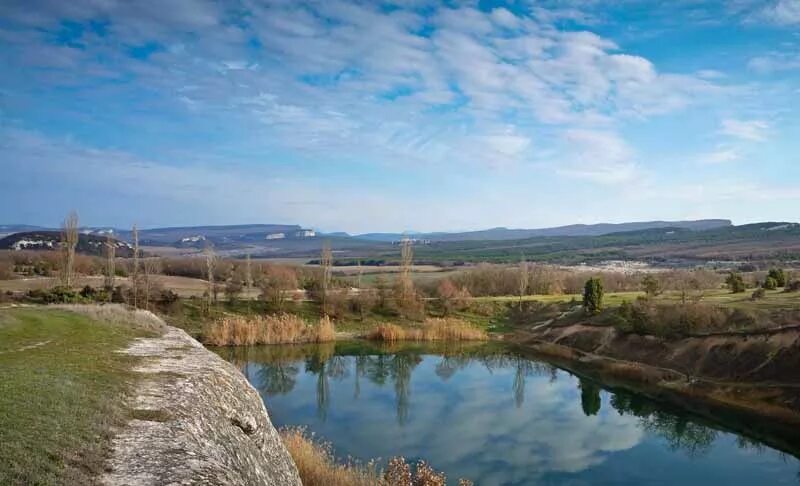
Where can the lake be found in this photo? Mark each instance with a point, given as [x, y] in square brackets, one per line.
[485, 413]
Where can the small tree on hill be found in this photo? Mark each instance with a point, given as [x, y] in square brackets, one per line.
[778, 275]
[735, 282]
[593, 296]
[770, 283]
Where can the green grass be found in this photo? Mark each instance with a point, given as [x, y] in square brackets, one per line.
[59, 397]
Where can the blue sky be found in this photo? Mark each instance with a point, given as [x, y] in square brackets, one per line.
[399, 115]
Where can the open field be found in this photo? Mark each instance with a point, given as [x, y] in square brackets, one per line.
[183, 286]
[773, 299]
[61, 384]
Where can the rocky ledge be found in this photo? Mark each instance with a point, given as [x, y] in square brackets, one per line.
[196, 421]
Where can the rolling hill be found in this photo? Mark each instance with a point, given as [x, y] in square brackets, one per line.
[88, 244]
[570, 230]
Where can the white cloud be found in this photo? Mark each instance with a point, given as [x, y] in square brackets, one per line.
[597, 156]
[750, 130]
[781, 12]
[337, 69]
[720, 156]
[774, 62]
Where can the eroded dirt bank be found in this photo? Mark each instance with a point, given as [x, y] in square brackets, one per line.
[198, 421]
[755, 376]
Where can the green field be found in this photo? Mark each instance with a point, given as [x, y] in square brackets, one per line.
[61, 389]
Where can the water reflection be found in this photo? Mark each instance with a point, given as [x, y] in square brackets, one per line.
[483, 412]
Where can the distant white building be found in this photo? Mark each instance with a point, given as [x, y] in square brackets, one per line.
[305, 233]
[276, 236]
[193, 239]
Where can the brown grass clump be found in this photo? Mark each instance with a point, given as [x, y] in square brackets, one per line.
[273, 329]
[433, 329]
[318, 467]
[119, 315]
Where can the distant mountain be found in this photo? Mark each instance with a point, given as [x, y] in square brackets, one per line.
[570, 230]
[10, 229]
[88, 244]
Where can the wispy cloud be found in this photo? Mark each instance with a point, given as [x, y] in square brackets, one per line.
[598, 156]
[750, 130]
[394, 91]
[782, 12]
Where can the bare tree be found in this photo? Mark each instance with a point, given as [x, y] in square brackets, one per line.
[111, 253]
[135, 268]
[151, 267]
[407, 298]
[69, 242]
[248, 276]
[406, 262]
[326, 262]
[211, 263]
[522, 279]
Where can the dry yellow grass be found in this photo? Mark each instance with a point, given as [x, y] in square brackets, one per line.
[274, 329]
[119, 315]
[318, 467]
[432, 329]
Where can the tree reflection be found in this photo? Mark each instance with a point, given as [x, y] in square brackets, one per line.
[278, 379]
[590, 397]
[680, 432]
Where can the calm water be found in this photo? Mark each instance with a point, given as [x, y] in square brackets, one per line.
[483, 413]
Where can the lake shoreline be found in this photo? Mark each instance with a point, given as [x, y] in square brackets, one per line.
[756, 408]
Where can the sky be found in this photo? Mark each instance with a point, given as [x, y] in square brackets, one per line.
[398, 115]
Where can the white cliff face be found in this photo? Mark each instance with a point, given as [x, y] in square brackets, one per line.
[198, 421]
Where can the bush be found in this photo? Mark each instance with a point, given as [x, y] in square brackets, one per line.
[793, 286]
[770, 284]
[778, 275]
[735, 283]
[56, 295]
[651, 285]
[593, 296]
[88, 292]
[759, 294]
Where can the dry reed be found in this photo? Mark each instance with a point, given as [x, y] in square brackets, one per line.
[432, 329]
[273, 329]
[318, 467]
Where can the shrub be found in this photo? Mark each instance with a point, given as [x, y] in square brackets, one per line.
[55, 295]
[735, 283]
[793, 286]
[758, 294]
[778, 275]
[317, 466]
[88, 292]
[593, 296]
[451, 297]
[6, 270]
[770, 284]
[651, 285]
